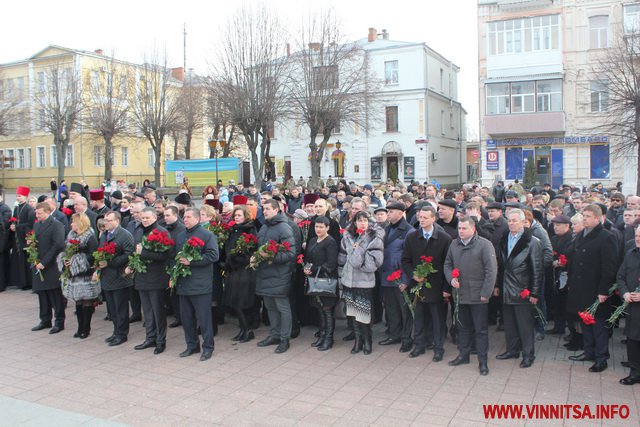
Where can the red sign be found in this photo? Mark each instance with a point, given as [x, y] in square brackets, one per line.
[493, 162]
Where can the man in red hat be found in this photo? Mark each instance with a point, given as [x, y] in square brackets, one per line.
[25, 215]
[240, 200]
[309, 203]
[97, 202]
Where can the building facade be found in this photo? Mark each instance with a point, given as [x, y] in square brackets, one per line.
[28, 149]
[419, 132]
[541, 101]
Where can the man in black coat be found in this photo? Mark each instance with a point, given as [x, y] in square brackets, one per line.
[196, 290]
[152, 285]
[21, 274]
[562, 242]
[520, 269]
[447, 217]
[500, 228]
[46, 283]
[627, 281]
[5, 243]
[592, 271]
[58, 215]
[174, 226]
[430, 312]
[112, 279]
[135, 228]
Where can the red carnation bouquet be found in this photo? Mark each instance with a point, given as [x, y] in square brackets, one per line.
[245, 244]
[588, 316]
[32, 252]
[156, 241]
[221, 230]
[13, 220]
[422, 271]
[72, 248]
[300, 259]
[526, 294]
[104, 253]
[455, 274]
[267, 253]
[304, 228]
[396, 277]
[190, 251]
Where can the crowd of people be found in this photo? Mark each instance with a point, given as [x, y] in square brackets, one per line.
[427, 262]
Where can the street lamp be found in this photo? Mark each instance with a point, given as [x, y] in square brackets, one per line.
[213, 146]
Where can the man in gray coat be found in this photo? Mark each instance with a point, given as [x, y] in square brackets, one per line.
[273, 280]
[474, 258]
[46, 281]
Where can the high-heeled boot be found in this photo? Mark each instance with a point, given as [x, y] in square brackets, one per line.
[87, 314]
[330, 326]
[357, 344]
[323, 330]
[367, 338]
[79, 316]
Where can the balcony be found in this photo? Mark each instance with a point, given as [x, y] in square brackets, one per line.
[517, 124]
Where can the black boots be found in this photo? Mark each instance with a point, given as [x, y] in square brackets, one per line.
[329, 322]
[84, 315]
[575, 343]
[358, 343]
[366, 335]
[245, 334]
[352, 329]
[80, 317]
[323, 330]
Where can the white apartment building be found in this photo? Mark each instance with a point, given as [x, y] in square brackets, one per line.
[421, 128]
[539, 99]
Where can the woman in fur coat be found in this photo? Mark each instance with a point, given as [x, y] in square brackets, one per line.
[75, 265]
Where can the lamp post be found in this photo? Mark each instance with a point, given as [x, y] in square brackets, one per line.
[340, 160]
[213, 146]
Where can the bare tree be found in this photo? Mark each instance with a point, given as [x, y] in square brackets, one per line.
[7, 111]
[219, 119]
[250, 76]
[331, 83]
[59, 105]
[191, 104]
[107, 113]
[616, 94]
[154, 106]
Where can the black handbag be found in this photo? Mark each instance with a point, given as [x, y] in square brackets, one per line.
[321, 286]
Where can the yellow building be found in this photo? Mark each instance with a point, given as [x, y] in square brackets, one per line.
[29, 150]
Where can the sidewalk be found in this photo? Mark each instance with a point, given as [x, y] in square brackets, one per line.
[58, 380]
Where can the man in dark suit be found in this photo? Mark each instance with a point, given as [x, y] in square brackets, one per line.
[430, 311]
[46, 282]
[114, 284]
[592, 271]
[58, 215]
[25, 215]
[500, 228]
[174, 226]
[80, 206]
[135, 228]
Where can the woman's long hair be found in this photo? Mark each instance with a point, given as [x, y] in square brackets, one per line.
[353, 227]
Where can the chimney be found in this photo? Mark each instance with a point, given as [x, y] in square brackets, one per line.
[373, 35]
[385, 35]
[178, 73]
[99, 51]
[314, 46]
[288, 50]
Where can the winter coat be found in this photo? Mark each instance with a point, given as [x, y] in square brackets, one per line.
[450, 227]
[436, 247]
[500, 228]
[156, 277]
[393, 244]
[200, 281]
[334, 229]
[547, 250]
[239, 281]
[26, 218]
[323, 257]
[478, 268]
[363, 260]
[627, 281]
[592, 269]
[50, 236]
[80, 266]
[522, 269]
[274, 279]
[111, 277]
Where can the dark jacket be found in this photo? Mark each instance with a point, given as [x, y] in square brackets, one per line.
[111, 277]
[592, 269]
[484, 227]
[437, 247]
[175, 229]
[274, 280]
[323, 256]
[62, 218]
[478, 269]
[50, 236]
[522, 269]
[26, 218]
[500, 228]
[200, 281]
[627, 281]
[451, 228]
[393, 245]
[547, 250]
[293, 204]
[93, 219]
[334, 229]
[156, 277]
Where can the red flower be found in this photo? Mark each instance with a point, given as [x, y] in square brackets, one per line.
[555, 253]
[272, 246]
[360, 231]
[562, 260]
[300, 259]
[525, 294]
[396, 275]
[108, 248]
[587, 318]
[74, 242]
[287, 246]
[13, 219]
[455, 273]
[341, 231]
[195, 242]
[426, 258]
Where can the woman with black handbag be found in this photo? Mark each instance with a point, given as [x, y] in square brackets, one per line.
[320, 267]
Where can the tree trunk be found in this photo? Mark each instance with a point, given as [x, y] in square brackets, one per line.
[108, 164]
[61, 152]
[637, 167]
[158, 153]
[315, 161]
[187, 145]
[175, 147]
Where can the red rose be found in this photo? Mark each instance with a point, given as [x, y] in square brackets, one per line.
[195, 242]
[341, 231]
[287, 246]
[360, 231]
[13, 219]
[455, 273]
[525, 294]
[396, 275]
[300, 259]
[562, 260]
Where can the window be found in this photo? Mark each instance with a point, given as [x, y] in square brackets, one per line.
[498, 98]
[441, 79]
[20, 88]
[151, 158]
[598, 31]
[20, 158]
[69, 157]
[40, 81]
[10, 92]
[522, 97]
[391, 72]
[442, 125]
[451, 119]
[53, 154]
[124, 154]
[599, 97]
[599, 161]
[523, 35]
[97, 155]
[123, 86]
[95, 80]
[631, 18]
[41, 121]
[27, 159]
[549, 95]
[421, 116]
[391, 114]
[325, 77]
[41, 160]
[10, 160]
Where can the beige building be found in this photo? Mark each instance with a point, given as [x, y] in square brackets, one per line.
[539, 96]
